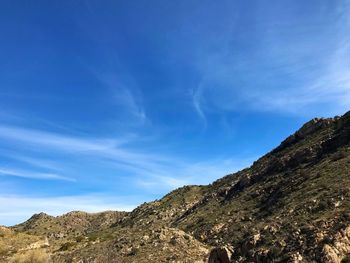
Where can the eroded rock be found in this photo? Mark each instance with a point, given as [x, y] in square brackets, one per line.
[220, 255]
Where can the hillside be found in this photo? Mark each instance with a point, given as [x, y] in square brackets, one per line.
[291, 205]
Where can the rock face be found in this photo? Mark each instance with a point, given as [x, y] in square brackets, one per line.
[291, 205]
[307, 129]
[339, 249]
[220, 255]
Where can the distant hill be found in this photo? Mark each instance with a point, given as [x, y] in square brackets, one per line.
[291, 205]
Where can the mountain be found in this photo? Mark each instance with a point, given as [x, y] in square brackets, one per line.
[291, 205]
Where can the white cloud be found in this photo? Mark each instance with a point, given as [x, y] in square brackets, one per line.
[197, 103]
[121, 87]
[197, 173]
[15, 209]
[35, 162]
[33, 175]
[149, 170]
[123, 96]
[106, 148]
[291, 68]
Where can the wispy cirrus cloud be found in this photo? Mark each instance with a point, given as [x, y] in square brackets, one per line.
[17, 208]
[104, 147]
[293, 67]
[31, 161]
[123, 96]
[183, 173]
[32, 174]
[121, 87]
[149, 169]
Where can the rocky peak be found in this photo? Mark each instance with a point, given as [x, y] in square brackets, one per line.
[40, 216]
[306, 130]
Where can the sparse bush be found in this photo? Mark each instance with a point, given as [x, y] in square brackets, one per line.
[275, 252]
[323, 205]
[32, 256]
[66, 246]
[338, 155]
[346, 259]
[79, 238]
[93, 237]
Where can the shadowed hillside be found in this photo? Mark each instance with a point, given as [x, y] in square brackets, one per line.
[291, 205]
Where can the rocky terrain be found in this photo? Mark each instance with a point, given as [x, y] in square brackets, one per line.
[291, 205]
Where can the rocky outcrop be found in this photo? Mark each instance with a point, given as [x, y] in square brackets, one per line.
[291, 205]
[220, 255]
[307, 129]
[339, 249]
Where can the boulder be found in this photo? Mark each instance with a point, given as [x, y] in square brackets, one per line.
[220, 255]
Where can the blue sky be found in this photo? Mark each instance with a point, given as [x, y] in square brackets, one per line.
[107, 104]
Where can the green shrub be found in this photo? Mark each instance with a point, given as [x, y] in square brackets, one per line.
[66, 246]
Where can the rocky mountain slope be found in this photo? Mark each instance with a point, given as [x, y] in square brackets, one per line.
[291, 205]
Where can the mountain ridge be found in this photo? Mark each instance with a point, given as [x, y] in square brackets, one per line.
[291, 205]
